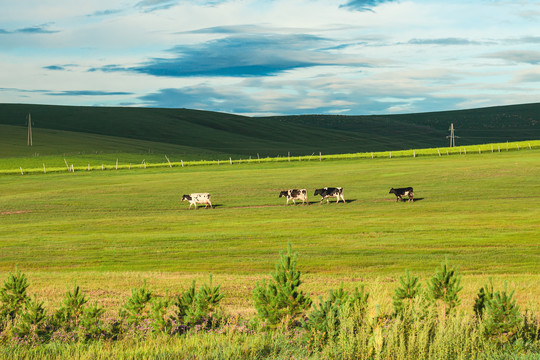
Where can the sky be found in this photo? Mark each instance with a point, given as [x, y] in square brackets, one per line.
[257, 58]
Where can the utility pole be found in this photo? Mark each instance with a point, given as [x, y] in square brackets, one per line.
[452, 136]
[29, 142]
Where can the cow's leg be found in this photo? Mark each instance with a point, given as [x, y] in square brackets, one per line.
[209, 203]
[411, 197]
[328, 200]
[190, 205]
[342, 198]
[294, 202]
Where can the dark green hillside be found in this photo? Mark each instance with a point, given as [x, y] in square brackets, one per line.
[210, 132]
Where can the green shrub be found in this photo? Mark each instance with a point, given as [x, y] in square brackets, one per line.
[159, 308]
[71, 310]
[404, 295]
[33, 325]
[502, 318]
[91, 325]
[444, 287]
[279, 302]
[137, 306]
[13, 296]
[198, 307]
[482, 298]
[325, 320]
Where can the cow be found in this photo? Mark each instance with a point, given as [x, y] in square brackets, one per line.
[328, 192]
[295, 194]
[198, 198]
[408, 191]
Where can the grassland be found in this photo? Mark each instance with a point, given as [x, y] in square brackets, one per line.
[109, 231]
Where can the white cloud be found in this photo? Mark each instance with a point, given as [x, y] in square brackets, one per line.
[407, 55]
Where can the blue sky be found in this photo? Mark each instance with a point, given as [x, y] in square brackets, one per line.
[270, 57]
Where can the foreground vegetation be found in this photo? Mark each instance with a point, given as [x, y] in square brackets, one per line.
[424, 323]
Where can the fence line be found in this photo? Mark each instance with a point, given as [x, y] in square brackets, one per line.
[401, 153]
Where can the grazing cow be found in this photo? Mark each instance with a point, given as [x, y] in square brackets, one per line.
[408, 191]
[198, 198]
[328, 192]
[295, 194]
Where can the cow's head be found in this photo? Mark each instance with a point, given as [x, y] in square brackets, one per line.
[284, 193]
[186, 198]
[392, 191]
[318, 191]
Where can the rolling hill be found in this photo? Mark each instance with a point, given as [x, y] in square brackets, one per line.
[204, 134]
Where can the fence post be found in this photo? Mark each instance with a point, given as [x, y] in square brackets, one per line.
[258, 158]
[465, 151]
[390, 154]
[414, 153]
[168, 161]
[116, 163]
[101, 166]
[530, 148]
[517, 146]
[447, 152]
[499, 148]
[491, 148]
[44, 170]
[129, 166]
[289, 156]
[372, 154]
[230, 160]
[479, 150]
[506, 145]
[439, 152]
[72, 169]
[320, 156]
[182, 162]
[88, 167]
[66, 164]
[21, 171]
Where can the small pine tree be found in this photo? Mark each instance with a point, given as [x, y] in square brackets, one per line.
[158, 309]
[501, 315]
[33, 323]
[279, 301]
[408, 290]
[445, 286]
[68, 316]
[195, 307]
[91, 326]
[482, 298]
[13, 295]
[327, 315]
[136, 307]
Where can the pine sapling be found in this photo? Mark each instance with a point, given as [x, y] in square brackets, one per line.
[13, 295]
[136, 307]
[404, 295]
[33, 323]
[68, 316]
[280, 302]
[445, 286]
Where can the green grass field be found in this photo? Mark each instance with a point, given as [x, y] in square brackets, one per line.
[110, 230]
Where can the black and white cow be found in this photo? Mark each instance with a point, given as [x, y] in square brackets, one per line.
[198, 198]
[295, 194]
[408, 191]
[328, 192]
